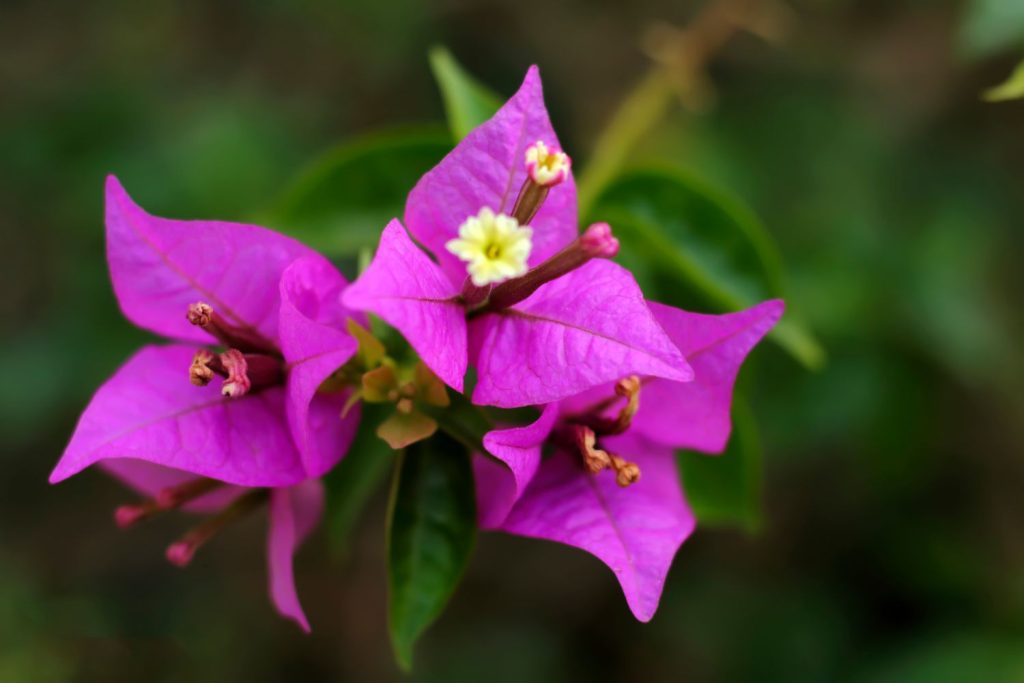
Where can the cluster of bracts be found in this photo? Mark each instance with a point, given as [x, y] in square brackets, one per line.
[272, 352]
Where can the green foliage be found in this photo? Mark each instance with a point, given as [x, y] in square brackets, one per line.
[951, 658]
[1010, 89]
[690, 246]
[360, 473]
[342, 201]
[990, 26]
[725, 490]
[467, 103]
[431, 531]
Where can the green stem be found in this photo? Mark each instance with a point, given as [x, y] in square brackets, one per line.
[462, 421]
[646, 106]
[641, 111]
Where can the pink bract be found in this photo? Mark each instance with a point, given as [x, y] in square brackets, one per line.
[580, 330]
[487, 169]
[152, 429]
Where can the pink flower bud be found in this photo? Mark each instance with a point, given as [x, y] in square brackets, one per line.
[599, 242]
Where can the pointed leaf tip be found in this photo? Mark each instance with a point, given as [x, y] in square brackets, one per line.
[467, 102]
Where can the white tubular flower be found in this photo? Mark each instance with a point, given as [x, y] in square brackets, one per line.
[494, 246]
[547, 167]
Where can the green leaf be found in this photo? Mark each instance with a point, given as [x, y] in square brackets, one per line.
[725, 490]
[340, 204]
[691, 246]
[990, 26]
[1010, 89]
[431, 530]
[467, 102]
[360, 473]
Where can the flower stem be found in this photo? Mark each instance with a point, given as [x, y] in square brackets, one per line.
[651, 99]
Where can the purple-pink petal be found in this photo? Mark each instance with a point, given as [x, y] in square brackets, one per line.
[488, 168]
[294, 512]
[636, 531]
[149, 411]
[697, 414]
[315, 344]
[584, 329]
[159, 266]
[409, 292]
[500, 485]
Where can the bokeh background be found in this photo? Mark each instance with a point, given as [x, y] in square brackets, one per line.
[891, 538]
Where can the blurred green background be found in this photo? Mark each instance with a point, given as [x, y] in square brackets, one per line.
[891, 537]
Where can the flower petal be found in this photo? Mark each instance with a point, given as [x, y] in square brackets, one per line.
[697, 414]
[315, 344]
[149, 411]
[405, 288]
[519, 448]
[159, 266]
[636, 531]
[294, 512]
[584, 329]
[487, 169]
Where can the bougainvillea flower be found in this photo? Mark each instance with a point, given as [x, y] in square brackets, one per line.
[266, 433]
[633, 516]
[512, 288]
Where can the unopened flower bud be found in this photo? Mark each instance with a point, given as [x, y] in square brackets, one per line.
[130, 515]
[597, 241]
[180, 553]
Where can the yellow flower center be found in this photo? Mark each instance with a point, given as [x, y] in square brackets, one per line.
[494, 246]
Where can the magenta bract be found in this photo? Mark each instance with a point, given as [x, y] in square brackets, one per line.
[635, 530]
[583, 329]
[153, 429]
